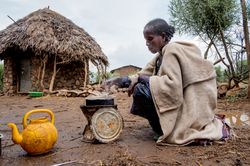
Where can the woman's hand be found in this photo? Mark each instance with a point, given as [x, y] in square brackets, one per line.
[120, 82]
[134, 81]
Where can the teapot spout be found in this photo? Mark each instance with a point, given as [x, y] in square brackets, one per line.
[16, 137]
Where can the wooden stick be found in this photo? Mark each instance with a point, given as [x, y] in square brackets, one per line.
[13, 20]
[68, 162]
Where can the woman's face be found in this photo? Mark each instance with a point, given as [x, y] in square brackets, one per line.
[154, 42]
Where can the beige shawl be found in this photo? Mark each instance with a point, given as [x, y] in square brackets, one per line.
[185, 95]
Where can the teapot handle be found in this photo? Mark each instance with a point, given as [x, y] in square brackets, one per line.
[38, 111]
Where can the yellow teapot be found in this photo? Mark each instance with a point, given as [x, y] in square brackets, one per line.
[37, 137]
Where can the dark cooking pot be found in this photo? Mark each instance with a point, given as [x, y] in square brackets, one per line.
[99, 100]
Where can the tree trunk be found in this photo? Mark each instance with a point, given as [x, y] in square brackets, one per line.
[227, 54]
[51, 85]
[43, 72]
[98, 74]
[208, 47]
[246, 35]
[85, 72]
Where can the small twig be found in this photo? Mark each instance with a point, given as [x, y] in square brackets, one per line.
[176, 161]
[13, 20]
[36, 106]
[68, 162]
[157, 147]
[218, 61]
[8, 145]
[60, 111]
[99, 161]
[129, 120]
[145, 157]
[75, 138]
[198, 163]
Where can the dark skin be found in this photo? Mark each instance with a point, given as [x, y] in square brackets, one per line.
[154, 42]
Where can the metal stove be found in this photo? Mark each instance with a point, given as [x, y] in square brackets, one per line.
[104, 122]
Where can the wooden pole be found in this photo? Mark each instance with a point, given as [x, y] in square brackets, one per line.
[51, 85]
[85, 73]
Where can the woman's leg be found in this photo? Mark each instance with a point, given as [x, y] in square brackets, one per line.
[143, 106]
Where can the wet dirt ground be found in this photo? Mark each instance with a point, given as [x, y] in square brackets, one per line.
[135, 145]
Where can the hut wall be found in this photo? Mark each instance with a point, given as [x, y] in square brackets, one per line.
[126, 70]
[70, 76]
[9, 76]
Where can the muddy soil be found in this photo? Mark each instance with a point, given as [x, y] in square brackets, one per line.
[135, 145]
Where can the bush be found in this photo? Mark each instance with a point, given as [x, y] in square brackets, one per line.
[95, 78]
[220, 74]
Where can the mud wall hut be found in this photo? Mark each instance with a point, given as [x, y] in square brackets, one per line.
[46, 51]
[125, 70]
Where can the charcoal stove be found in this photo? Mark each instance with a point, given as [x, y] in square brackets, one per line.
[104, 122]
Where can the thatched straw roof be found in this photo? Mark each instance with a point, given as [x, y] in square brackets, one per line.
[47, 32]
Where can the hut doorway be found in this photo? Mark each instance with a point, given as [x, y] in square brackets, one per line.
[24, 75]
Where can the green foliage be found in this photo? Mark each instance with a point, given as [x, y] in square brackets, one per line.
[220, 74]
[1, 77]
[242, 69]
[95, 78]
[203, 18]
[216, 22]
[242, 93]
[248, 9]
[92, 77]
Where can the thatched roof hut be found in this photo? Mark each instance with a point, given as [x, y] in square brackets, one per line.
[51, 43]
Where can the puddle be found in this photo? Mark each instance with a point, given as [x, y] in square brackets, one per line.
[236, 118]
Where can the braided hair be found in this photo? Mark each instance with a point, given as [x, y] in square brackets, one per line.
[159, 26]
